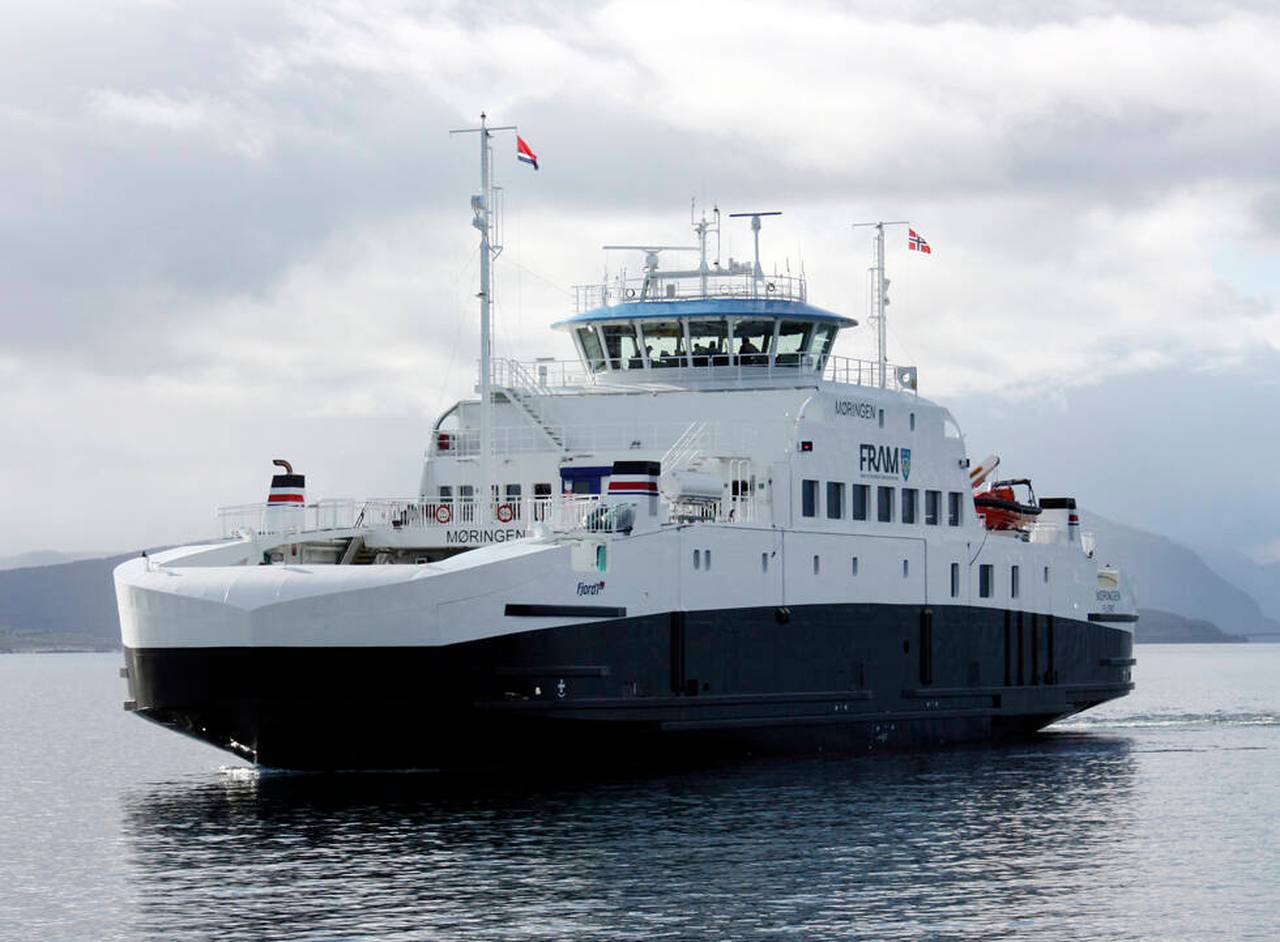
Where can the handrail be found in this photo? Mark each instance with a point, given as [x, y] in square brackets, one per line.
[560, 513]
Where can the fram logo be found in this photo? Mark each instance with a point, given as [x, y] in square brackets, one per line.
[883, 461]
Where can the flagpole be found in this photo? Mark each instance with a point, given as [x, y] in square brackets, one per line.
[482, 208]
[880, 300]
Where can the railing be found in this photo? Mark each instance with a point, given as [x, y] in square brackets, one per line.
[562, 513]
[738, 284]
[719, 438]
[539, 377]
[318, 515]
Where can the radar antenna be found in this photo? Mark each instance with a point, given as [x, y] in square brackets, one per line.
[758, 272]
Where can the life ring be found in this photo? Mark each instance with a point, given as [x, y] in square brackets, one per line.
[506, 513]
[443, 514]
[631, 293]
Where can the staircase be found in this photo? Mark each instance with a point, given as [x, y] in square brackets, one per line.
[524, 392]
[686, 451]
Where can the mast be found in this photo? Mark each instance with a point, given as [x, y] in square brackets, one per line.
[880, 297]
[482, 208]
[757, 272]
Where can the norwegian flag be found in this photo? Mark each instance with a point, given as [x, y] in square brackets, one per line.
[525, 152]
[916, 243]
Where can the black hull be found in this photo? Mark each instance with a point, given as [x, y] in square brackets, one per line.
[837, 678]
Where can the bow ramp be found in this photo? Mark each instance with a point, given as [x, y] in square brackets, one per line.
[216, 595]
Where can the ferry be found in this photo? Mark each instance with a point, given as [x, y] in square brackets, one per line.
[706, 535]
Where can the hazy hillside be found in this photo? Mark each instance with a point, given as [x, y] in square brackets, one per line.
[1261, 580]
[65, 605]
[1172, 578]
[1157, 627]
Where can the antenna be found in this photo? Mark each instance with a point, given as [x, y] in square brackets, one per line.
[482, 206]
[755, 231]
[651, 253]
[880, 299]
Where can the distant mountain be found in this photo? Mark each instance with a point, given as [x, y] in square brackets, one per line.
[1261, 580]
[1157, 627]
[1171, 578]
[44, 558]
[59, 607]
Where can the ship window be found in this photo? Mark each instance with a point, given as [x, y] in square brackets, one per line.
[880, 418]
[513, 491]
[1013, 582]
[793, 342]
[709, 343]
[835, 500]
[591, 348]
[984, 580]
[467, 493]
[621, 347]
[817, 564]
[764, 562]
[854, 566]
[697, 559]
[1046, 575]
[446, 494]
[955, 580]
[664, 340]
[884, 504]
[861, 498]
[906, 568]
[954, 508]
[751, 342]
[809, 498]
[932, 507]
[910, 501]
[580, 486]
[913, 421]
[706, 559]
[824, 337]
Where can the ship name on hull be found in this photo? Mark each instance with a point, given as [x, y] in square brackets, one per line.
[464, 537]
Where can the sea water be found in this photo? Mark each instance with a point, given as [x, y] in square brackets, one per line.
[1153, 817]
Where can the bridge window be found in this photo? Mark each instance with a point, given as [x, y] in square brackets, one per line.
[709, 343]
[824, 337]
[884, 504]
[809, 498]
[835, 500]
[622, 347]
[591, 348]
[910, 501]
[985, 575]
[932, 507]
[793, 342]
[664, 340]
[752, 340]
[954, 512]
[861, 498]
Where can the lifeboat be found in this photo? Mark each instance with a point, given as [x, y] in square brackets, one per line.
[1001, 509]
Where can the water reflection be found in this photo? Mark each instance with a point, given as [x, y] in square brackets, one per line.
[970, 841]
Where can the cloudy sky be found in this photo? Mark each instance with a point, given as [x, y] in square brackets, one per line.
[233, 231]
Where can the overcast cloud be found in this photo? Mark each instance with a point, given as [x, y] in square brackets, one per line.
[236, 230]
